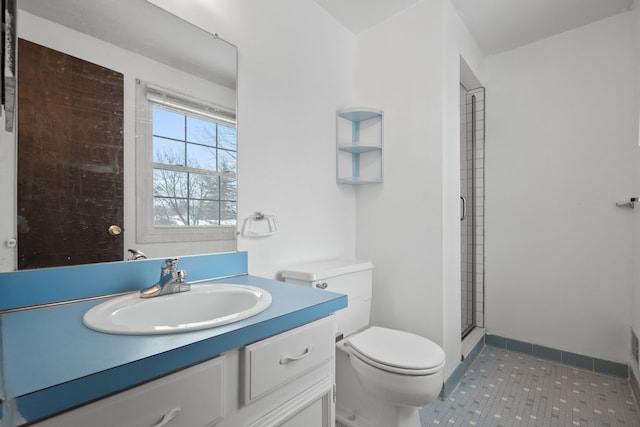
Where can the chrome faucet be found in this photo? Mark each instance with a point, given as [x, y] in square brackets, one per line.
[171, 281]
[136, 254]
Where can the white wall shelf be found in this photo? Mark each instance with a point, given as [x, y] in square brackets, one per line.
[360, 147]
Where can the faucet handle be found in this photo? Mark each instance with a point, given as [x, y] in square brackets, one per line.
[169, 267]
[170, 263]
[181, 275]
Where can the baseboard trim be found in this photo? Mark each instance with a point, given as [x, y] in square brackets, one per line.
[567, 358]
[458, 373]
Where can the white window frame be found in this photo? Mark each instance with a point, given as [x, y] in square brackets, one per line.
[148, 95]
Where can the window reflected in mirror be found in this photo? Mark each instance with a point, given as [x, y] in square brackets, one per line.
[187, 184]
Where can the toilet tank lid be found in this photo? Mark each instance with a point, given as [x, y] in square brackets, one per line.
[321, 270]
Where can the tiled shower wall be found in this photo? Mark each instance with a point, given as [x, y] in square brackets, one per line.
[472, 189]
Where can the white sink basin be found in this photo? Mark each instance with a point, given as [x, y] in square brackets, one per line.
[204, 306]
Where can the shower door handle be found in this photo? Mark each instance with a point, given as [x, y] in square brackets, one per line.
[464, 208]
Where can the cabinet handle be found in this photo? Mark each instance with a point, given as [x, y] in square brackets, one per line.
[168, 417]
[307, 351]
[322, 285]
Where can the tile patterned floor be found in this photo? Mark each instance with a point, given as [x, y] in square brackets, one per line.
[505, 389]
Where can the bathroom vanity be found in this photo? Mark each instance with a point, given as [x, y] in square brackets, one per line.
[275, 368]
[286, 379]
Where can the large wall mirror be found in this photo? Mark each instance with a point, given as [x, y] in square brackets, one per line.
[126, 134]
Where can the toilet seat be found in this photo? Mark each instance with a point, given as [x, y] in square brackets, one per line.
[397, 351]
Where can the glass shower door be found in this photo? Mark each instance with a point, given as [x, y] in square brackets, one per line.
[472, 207]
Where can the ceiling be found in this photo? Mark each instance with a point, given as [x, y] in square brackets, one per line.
[496, 25]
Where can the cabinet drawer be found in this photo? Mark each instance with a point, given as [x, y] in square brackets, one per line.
[193, 397]
[275, 361]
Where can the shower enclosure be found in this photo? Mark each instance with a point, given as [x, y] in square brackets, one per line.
[472, 207]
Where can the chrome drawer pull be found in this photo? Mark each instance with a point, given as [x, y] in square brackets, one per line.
[168, 417]
[307, 351]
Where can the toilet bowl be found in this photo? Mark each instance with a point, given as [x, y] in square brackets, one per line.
[383, 376]
[400, 371]
[397, 367]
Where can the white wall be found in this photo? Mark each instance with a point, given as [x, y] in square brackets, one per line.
[297, 67]
[399, 223]
[561, 127]
[409, 226]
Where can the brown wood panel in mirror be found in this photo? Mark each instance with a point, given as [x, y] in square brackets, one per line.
[70, 159]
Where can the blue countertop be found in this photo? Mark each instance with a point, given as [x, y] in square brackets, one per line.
[52, 362]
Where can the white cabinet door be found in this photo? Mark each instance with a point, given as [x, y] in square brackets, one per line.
[313, 407]
[192, 397]
[311, 416]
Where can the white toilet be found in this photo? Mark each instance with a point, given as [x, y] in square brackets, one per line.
[383, 376]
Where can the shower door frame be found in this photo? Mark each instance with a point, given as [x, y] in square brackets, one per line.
[473, 207]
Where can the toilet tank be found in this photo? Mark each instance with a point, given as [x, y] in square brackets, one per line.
[352, 278]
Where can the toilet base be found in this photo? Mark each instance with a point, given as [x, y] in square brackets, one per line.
[401, 416]
[356, 408]
[407, 417]
[347, 418]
